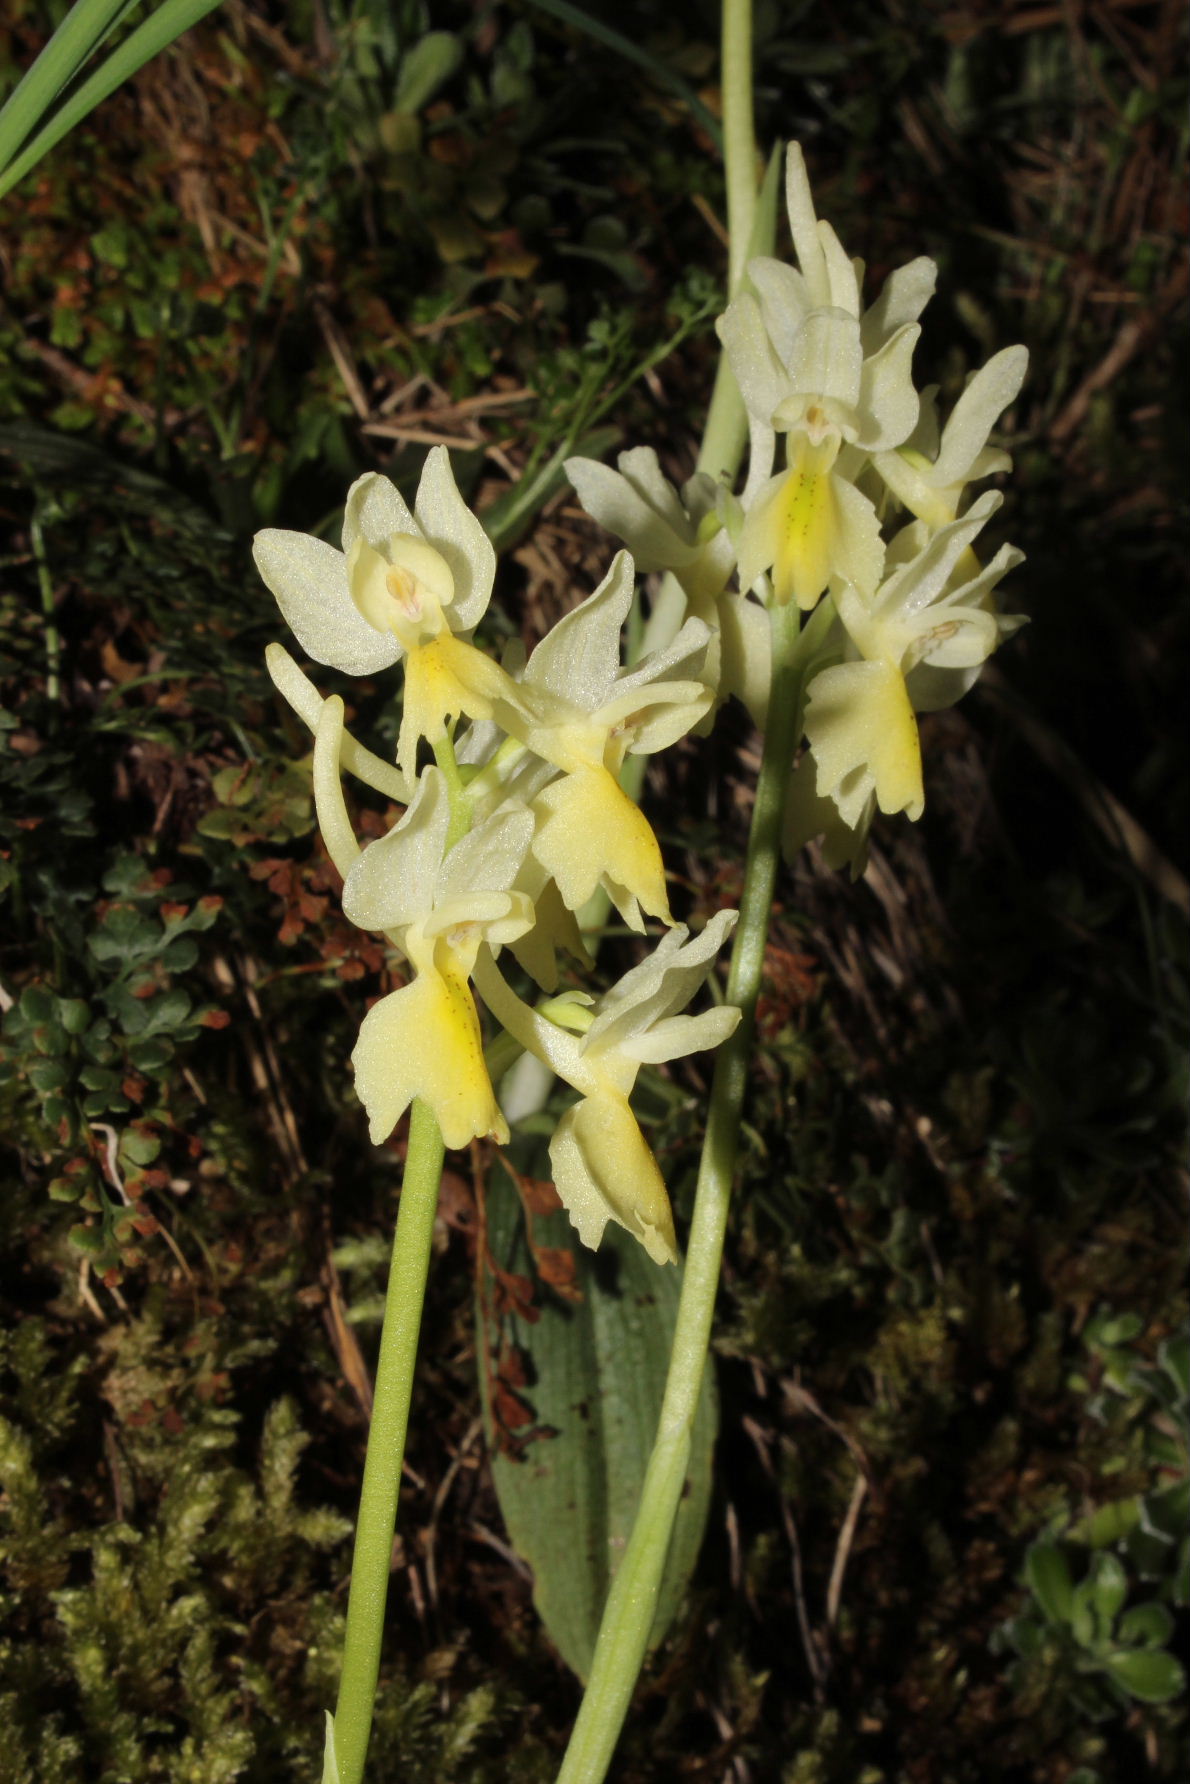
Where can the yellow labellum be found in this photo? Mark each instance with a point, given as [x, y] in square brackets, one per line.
[443, 679]
[425, 1041]
[593, 832]
[604, 1169]
[805, 523]
[859, 722]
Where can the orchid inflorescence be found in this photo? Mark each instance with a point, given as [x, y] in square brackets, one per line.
[862, 522]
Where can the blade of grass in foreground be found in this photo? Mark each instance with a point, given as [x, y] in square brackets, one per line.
[83, 28]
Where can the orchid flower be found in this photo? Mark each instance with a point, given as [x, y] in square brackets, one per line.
[604, 1168]
[404, 585]
[683, 531]
[860, 720]
[437, 904]
[663, 528]
[930, 474]
[586, 714]
[811, 364]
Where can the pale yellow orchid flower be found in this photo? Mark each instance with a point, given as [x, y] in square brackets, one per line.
[684, 531]
[929, 620]
[604, 1168]
[586, 714]
[405, 585]
[836, 379]
[931, 471]
[437, 904]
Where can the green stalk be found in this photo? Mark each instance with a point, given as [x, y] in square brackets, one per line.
[53, 641]
[751, 230]
[723, 437]
[739, 135]
[372, 1561]
[628, 1616]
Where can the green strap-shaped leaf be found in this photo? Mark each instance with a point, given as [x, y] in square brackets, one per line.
[155, 34]
[571, 1403]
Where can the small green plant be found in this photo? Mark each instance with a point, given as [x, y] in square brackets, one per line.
[1105, 1592]
[97, 1068]
[1116, 1655]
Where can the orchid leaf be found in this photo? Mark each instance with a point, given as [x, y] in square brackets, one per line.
[571, 1401]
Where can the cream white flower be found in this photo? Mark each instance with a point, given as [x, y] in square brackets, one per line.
[344, 607]
[930, 474]
[663, 528]
[812, 364]
[927, 618]
[603, 1166]
[586, 713]
[438, 904]
[404, 585]
[684, 531]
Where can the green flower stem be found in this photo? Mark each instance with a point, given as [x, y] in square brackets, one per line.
[739, 134]
[628, 1616]
[372, 1560]
[726, 428]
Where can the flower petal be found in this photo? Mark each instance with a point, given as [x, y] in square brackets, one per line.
[424, 1041]
[843, 274]
[676, 1036]
[309, 579]
[579, 658]
[784, 301]
[604, 1170]
[803, 225]
[592, 834]
[489, 857]
[662, 984]
[375, 509]
[447, 677]
[392, 883]
[859, 718]
[888, 402]
[656, 539]
[758, 372]
[826, 360]
[991, 390]
[451, 528]
[905, 294]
